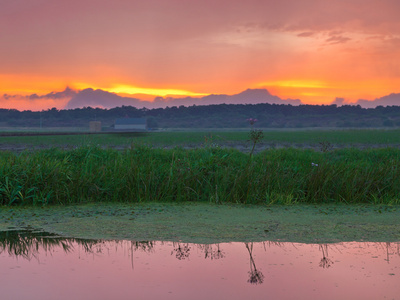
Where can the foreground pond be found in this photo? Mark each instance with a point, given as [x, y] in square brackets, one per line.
[38, 265]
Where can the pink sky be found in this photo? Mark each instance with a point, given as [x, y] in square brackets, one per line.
[314, 50]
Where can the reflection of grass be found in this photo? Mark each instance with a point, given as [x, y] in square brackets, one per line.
[27, 243]
[140, 174]
[255, 275]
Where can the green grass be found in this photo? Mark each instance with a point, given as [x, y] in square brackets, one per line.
[209, 174]
[227, 138]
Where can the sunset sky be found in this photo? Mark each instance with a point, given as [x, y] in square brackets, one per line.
[314, 50]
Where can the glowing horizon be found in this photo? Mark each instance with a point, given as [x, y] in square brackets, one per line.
[313, 50]
[133, 90]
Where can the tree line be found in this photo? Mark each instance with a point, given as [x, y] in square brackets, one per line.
[211, 116]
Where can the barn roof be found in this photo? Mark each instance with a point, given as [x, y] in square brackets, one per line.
[130, 121]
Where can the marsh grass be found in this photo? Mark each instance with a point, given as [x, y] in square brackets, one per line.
[142, 174]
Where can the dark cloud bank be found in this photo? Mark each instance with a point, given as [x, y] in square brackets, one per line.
[67, 93]
[99, 98]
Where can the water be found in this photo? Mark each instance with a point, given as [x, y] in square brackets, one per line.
[37, 265]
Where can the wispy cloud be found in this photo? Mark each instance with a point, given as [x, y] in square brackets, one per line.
[336, 39]
[37, 102]
[306, 34]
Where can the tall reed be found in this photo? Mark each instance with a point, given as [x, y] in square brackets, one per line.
[282, 176]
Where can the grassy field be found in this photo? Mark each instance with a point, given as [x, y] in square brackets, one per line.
[287, 138]
[84, 168]
[142, 191]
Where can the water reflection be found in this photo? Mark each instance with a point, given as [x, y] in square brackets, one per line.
[212, 251]
[325, 261]
[181, 251]
[268, 264]
[255, 276]
[145, 246]
[28, 243]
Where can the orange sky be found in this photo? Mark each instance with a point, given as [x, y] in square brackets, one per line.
[314, 50]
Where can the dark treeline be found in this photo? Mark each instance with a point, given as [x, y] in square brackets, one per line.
[212, 116]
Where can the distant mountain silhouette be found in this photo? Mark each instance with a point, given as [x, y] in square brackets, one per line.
[67, 93]
[100, 98]
[389, 100]
[249, 96]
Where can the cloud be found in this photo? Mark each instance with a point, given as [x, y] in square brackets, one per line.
[37, 102]
[306, 34]
[389, 100]
[70, 99]
[8, 97]
[337, 40]
[339, 101]
[100, 98]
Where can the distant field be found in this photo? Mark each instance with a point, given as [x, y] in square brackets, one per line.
[285, 138]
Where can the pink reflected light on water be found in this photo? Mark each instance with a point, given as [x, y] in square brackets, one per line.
[169, 270]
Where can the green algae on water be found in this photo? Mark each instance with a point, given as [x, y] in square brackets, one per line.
[210, 223]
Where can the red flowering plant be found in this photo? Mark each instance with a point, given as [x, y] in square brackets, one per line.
[251, 121]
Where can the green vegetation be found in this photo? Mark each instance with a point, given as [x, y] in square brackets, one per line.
[208, 174]
[299, 137]
[210, 223]
[212, 116]
[142, 191]
[127, 186]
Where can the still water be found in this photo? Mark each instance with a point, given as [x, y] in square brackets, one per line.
[37, 265]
